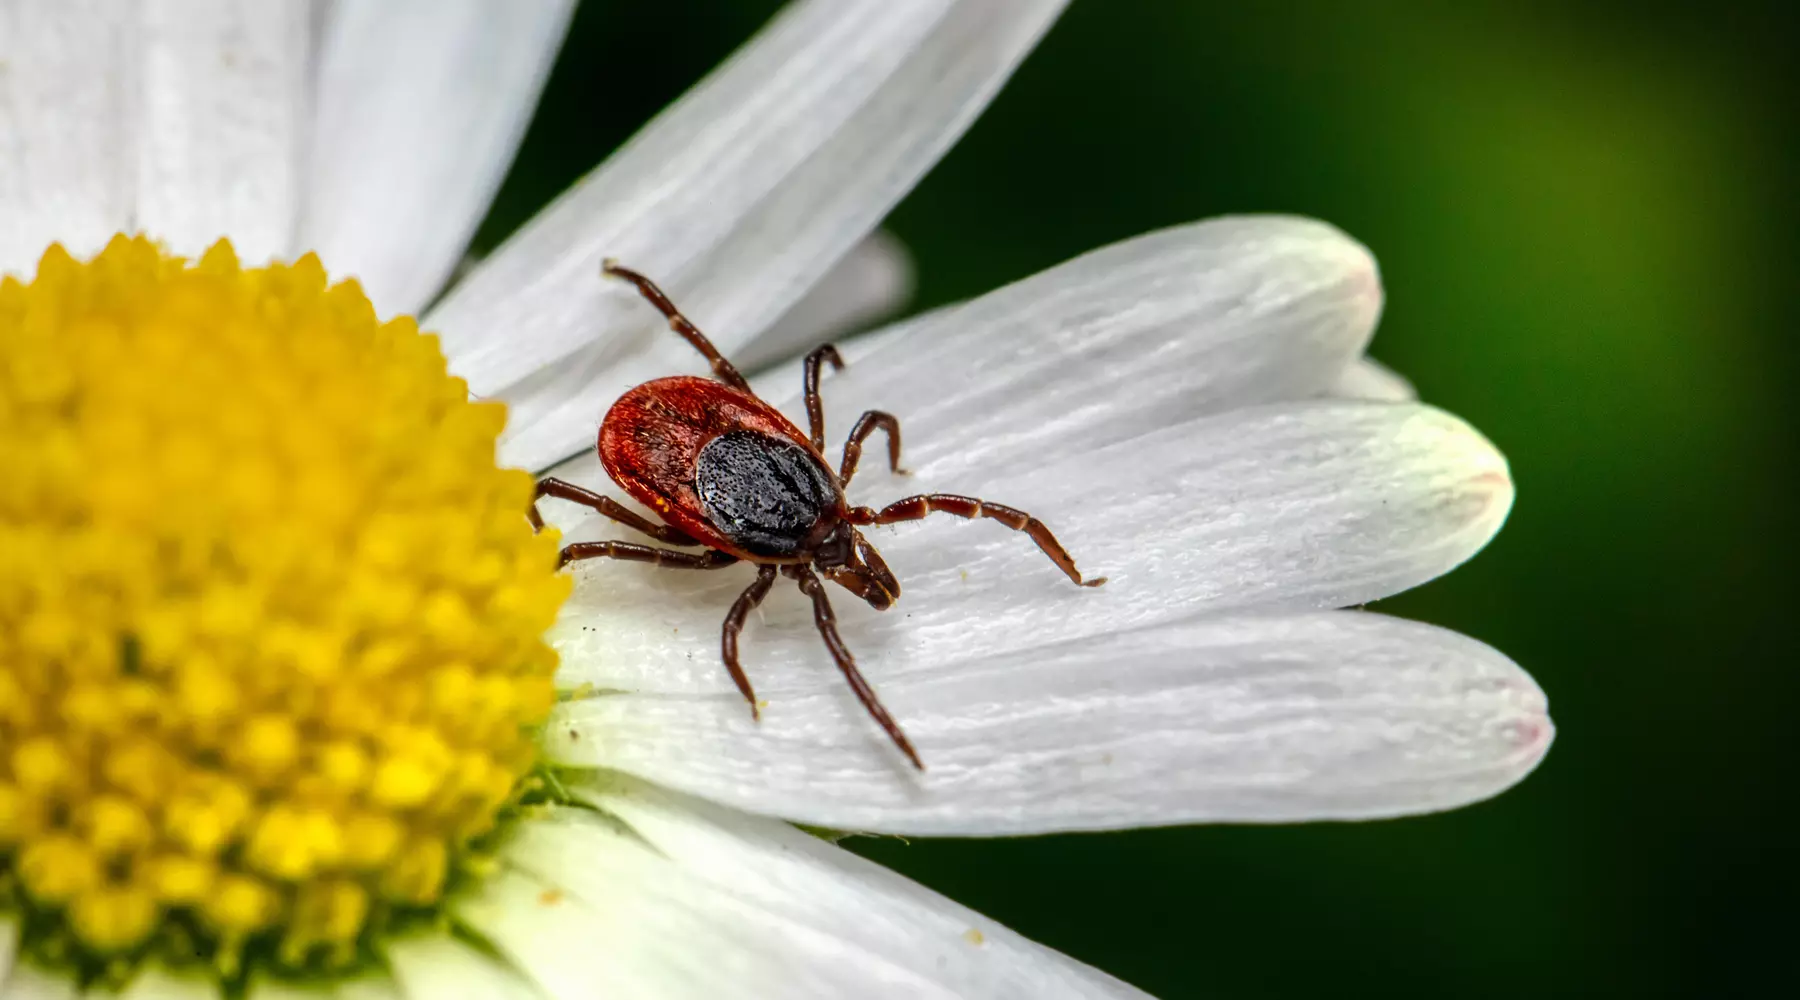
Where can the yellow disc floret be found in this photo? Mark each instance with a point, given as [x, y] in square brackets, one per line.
[271, 617]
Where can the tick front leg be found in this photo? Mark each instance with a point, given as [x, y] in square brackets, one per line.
[725, 370]
[627, 551]
[867, 424]
[809, 384]
[734, 624]
[915, 508]
[827, 623]
[606, 505]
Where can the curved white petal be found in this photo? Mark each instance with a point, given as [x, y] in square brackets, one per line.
[275, 989]
[29, 982]
[1139, 335]
[181, 118]
[737, 199]
[9, 945]
[872, 281]
[1192, 319]
[1334, 715]
[708, 904]
[658, 934]
[225, 107]
[1371, 380]
[368, 986]
[1284, 507]
[421, 105]
[776, 382]
[784, 870]
[435, 967]
[68, 162]
[155, 982]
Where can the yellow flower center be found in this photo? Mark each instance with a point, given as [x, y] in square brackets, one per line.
[271, 618]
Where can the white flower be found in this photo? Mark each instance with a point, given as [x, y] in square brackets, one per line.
[1189, 410]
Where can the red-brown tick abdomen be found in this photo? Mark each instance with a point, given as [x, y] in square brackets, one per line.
[651, 439]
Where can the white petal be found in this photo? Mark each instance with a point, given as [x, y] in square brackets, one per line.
[777, 382]
[9, 945]
[368, 986]
[710, 905]
[1334, 715]
[737, 199]
[68, 168]
[157, 983]
[29, 982]
[422, 104]
[1286, 507]
[662, 936]
[872, 281]
[1118, 342]
[225, 106]
[783, 870]
[274, 989]
[432, 967]
[1370, 379]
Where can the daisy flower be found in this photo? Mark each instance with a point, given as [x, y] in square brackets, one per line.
[292, 700]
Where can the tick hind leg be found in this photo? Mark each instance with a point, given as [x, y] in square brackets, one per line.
[734, 624]
[827, 623]
[723, 369]
[605, 505]
[630, 552]
[915, 508]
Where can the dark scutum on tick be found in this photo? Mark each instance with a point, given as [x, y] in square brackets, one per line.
[763, 493]
[728, 473]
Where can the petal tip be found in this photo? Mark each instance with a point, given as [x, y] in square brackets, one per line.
[1335, 257]
[1531, 737]
[1517, 735]
[1530, 731]
[1363, 276]
[1361, 272]
[1485, 471]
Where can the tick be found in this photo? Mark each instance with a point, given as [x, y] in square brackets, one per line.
[728, 473]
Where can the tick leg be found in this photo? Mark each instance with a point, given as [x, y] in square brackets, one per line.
[734, 624]
[606, 505]
[710, 559]
[827, 623]
[726, 372]
[914, 508]
[866, 425]
[815, 411]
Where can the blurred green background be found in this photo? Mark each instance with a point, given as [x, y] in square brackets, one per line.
[1583, 217]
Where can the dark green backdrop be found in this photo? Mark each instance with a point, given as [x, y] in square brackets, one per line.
[1581, 215]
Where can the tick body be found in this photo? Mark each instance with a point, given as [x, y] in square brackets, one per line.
[724, 467]
[729, 474]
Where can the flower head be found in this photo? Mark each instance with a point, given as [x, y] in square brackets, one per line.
[275, 637]
[272, 623]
